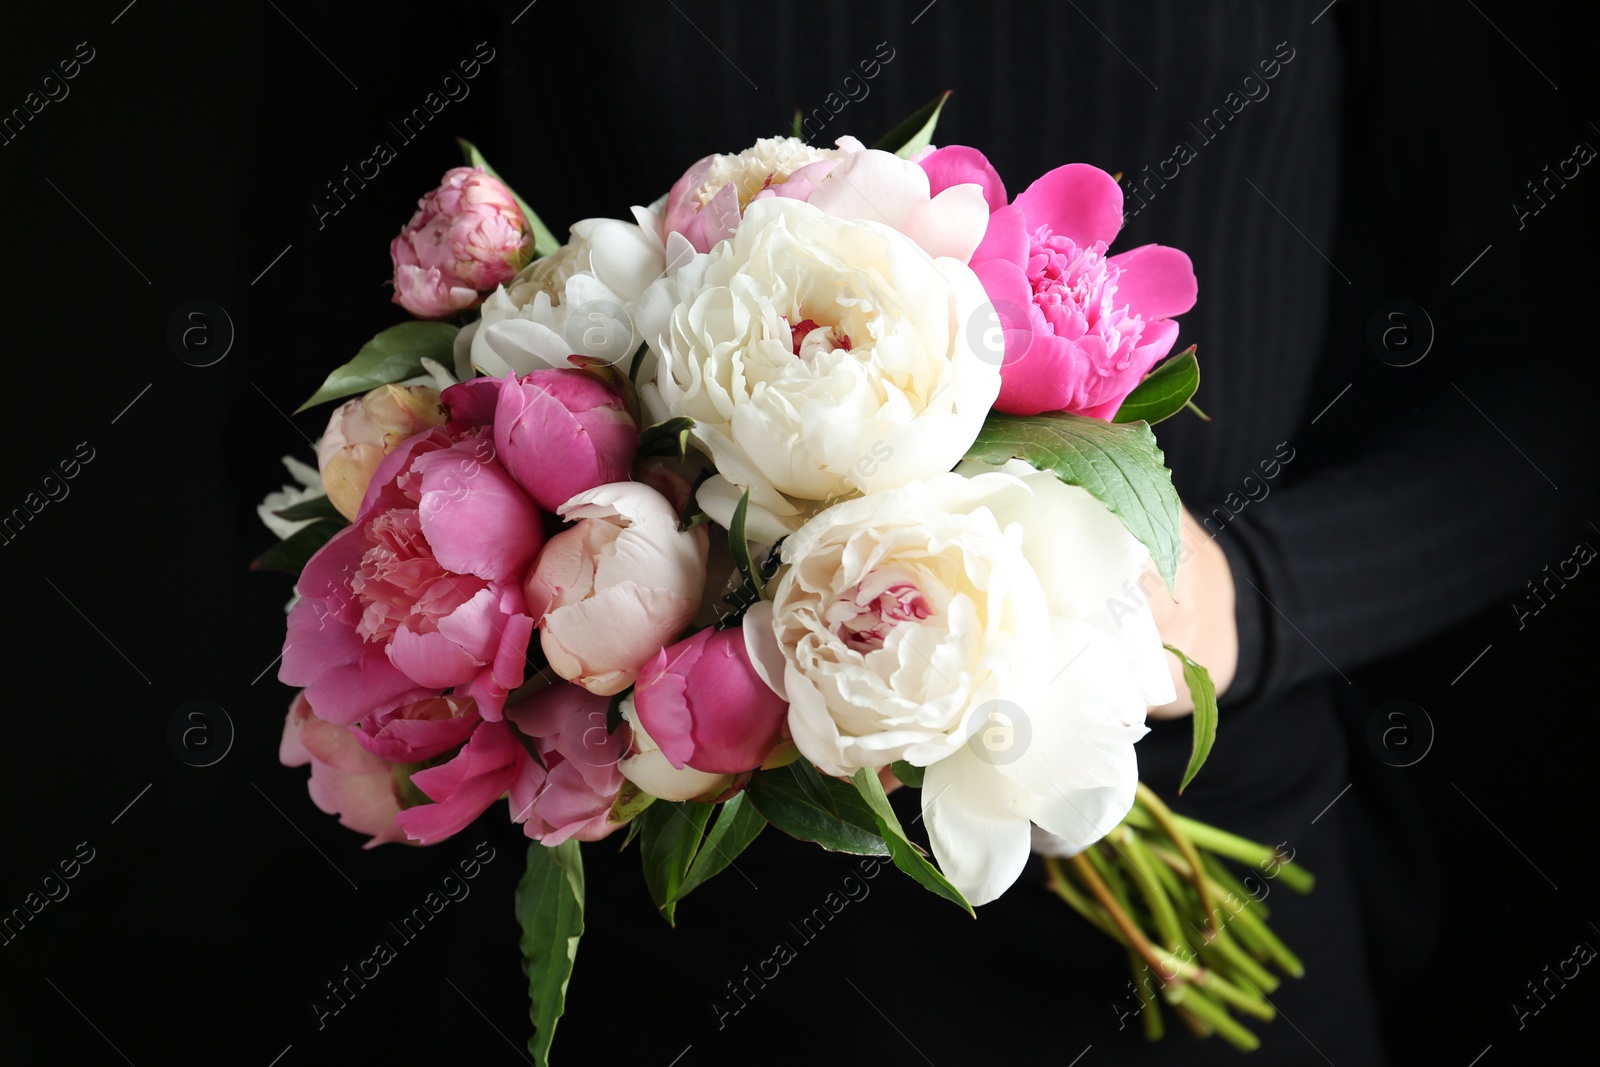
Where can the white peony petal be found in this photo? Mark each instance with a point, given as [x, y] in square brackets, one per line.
[977, 824]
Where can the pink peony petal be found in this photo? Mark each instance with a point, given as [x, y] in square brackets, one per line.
[1077, 201]
[955, 165]
[1157, 282]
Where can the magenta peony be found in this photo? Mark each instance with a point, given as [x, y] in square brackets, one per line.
[1081, 328]
[705, 706]
[557, 432]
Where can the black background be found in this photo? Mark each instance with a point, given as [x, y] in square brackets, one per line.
[183, 166]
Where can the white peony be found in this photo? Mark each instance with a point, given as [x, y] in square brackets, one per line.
[961, 624]
[578, 300]
[820, 358]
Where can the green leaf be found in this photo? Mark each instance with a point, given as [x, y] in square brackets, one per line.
[669, 438]
[901, 850]
[908, 773]
[318, 507]
[290, 554]
[916, 132]
[1121, 465]
[741, 547]
[392, 356]
[544, 242]
[795, 133]
[782, 796]
[738, 823]
[550, 909]
[1204, 695]
[1164, 392]
[668, 842]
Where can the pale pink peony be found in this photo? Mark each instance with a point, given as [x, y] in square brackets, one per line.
[346, 780]
[423, 592]
[362, 431]
[611, 591]
[705, 204]
[1080, 328]
[557, 432]
[706, 707]
[467, 237]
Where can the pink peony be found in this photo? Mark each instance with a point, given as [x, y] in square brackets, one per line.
[1081, 328]
[611, 591]
[423, 592]
[362, 431]
[346, 780]
[420, 731]
[705, 706]
[467, 237]
[567, 792]
[557, 432]
[463, 788]
[572, 794]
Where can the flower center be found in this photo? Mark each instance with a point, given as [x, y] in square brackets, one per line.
[400, 583]
[865, 619]
[1075, 289]
[808, 336]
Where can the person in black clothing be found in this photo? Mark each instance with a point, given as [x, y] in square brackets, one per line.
[1365, 484]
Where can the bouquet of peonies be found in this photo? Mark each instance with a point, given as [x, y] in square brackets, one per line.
[825, 473]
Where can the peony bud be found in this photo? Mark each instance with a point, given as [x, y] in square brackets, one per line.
[361, 432]
[647, 767]
[610, 592]
[561, 432]
[706, 707]
[467, 237]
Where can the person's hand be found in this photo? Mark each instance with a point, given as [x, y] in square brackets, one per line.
[1201, 621]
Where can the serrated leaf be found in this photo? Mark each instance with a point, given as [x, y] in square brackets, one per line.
[292, 553]
[544, 242]
[550, 910]
[901, 850]
[318, 507]
[1120, 465]
[392, 356]
[916, 132]
[738, 823]
[669, 438]
[908, 773]
[1204, 695]
[783, 798]
[668, 843]
[1164, 392]
[741, 546]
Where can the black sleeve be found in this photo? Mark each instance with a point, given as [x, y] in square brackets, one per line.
[1445, 486]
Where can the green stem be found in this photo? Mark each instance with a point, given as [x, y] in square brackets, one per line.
[1169, 825]
[1150, 1010]
[1233, 846]
[1215, 1016]
[1062, 886]
[1155, 895]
